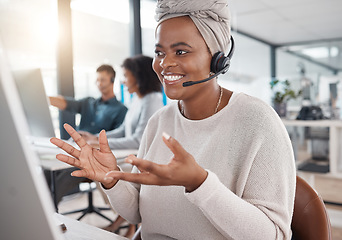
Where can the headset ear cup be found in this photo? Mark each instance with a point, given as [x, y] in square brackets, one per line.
[214, 65]
[224, 62]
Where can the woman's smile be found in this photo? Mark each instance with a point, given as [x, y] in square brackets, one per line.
[171, 78]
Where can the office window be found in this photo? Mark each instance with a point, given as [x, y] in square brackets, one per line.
[148, 26]
[312, 79]
[250, 69]
[29, 36]
[28, 30]
[100, 36]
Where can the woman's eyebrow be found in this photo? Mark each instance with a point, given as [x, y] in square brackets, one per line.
[174, 45]
[180, 44]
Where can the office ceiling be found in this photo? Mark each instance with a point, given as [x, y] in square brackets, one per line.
[299, 24]
[286, 22]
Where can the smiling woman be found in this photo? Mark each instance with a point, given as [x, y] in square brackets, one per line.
[224, 159]
[179, 58]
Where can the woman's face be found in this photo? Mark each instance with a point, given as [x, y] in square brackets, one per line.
[130, 81]
[181, 55]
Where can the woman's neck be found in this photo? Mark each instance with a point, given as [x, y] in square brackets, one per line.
[139, 94]
[206, 104]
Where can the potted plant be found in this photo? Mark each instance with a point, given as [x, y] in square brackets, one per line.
[282, 93]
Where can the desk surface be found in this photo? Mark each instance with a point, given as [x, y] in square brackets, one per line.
[313, 123]
[77, 230]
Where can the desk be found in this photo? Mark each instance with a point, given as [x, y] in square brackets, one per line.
[334, 176]
[81, 231]
[53, 165]
[335, 141]
[49, 153]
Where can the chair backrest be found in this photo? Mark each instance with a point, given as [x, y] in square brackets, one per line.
[310, 219]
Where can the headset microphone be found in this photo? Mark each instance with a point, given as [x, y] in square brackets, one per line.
[190, 83]
[219, 65]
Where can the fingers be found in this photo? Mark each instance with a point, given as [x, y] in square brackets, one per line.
[69, 160]
[80, 173]
[103, 142]
[77, 137]
[175, 147]
[142, 178]
[66, 147]
[148, 166]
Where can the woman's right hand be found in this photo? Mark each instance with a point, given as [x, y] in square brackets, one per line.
[93, 163]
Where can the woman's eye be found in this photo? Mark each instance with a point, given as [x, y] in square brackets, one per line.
[158, 53]
[181, 52]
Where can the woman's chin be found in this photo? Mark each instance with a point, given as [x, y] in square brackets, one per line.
[173, 95]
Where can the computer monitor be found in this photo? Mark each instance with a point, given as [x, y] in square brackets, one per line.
[35, 102]
[26, 206]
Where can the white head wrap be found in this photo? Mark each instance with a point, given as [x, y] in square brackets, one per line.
[211, 18]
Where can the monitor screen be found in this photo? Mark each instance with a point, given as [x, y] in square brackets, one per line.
[35, 102]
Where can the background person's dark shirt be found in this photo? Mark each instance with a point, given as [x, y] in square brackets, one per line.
[97, 114]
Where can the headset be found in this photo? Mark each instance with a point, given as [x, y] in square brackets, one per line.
[112, 79]
[219, 65]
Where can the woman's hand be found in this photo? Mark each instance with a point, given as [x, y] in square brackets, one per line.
[94, 163]
[182, 170]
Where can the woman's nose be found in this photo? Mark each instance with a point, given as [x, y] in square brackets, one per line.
[167, 61]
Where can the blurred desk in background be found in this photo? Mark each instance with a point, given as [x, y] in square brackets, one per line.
[335, 140]
[332, 174]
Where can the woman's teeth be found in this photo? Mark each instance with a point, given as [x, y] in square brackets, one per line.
[172, 77]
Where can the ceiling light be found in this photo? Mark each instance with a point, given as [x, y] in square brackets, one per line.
[321, 52]
[334, 51]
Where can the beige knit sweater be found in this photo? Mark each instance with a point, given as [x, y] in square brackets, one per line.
[249, 191]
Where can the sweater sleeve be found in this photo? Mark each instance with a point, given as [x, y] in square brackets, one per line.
[124, 198]
[264, 211]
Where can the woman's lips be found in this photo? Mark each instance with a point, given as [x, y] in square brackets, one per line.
[172, 78]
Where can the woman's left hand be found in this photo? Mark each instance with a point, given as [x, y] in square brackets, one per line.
[182, 170]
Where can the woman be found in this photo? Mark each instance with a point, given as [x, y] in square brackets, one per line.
[141, 80]
[229, 175]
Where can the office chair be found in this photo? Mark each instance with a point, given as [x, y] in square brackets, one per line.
[91, 208]
[310, 219]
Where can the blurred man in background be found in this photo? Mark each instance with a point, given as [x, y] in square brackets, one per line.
[105, 112]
